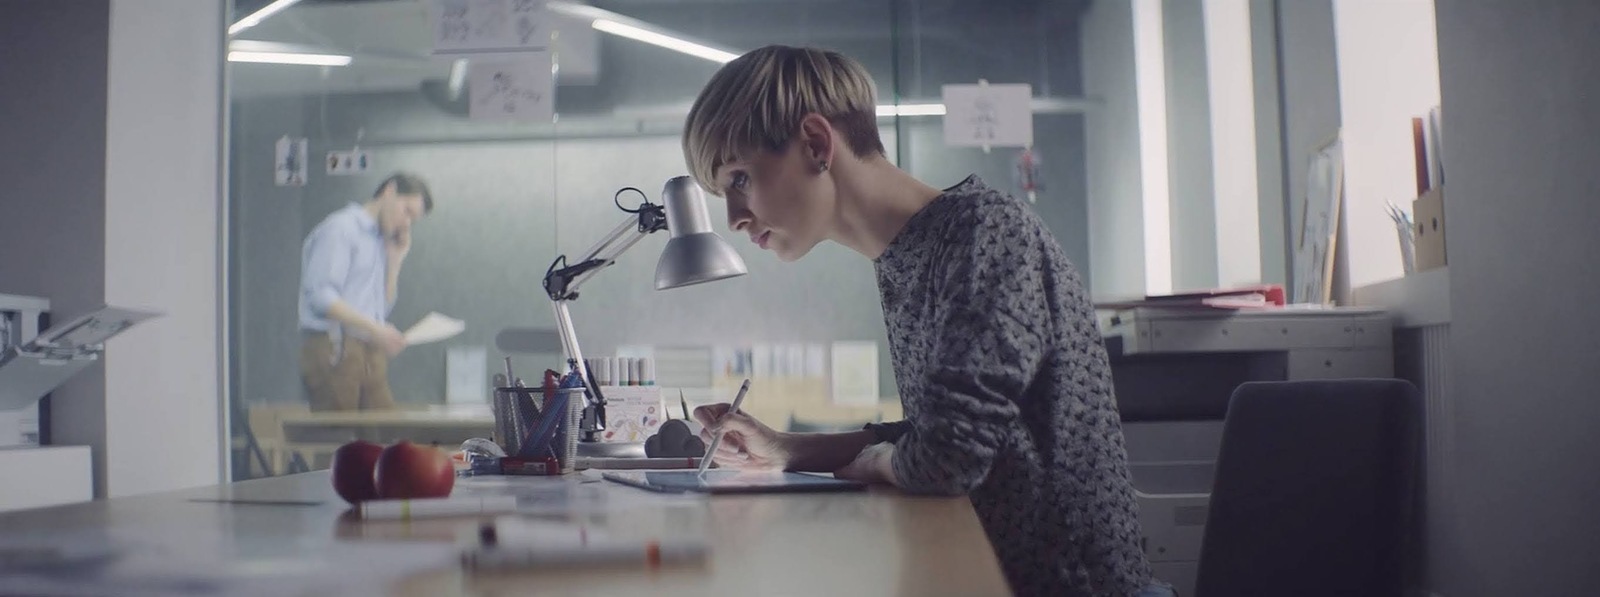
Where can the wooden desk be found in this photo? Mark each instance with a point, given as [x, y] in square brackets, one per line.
[873, 543]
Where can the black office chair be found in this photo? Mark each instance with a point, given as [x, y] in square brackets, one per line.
[1314, 490]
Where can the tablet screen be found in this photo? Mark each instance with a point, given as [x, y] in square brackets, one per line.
[728, 481]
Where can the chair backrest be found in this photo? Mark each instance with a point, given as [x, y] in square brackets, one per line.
[1314, 489]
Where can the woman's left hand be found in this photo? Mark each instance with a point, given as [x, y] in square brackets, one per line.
[875, 464]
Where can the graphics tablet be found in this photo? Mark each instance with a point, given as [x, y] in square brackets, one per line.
[726, 481]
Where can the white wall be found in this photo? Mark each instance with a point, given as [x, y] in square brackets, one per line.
[1231, 86]
[1116, 224]
[1310, 95]
[163, 148]
[1190, 183]
[1388, 73]
[1150, 73]
[1272, 207]
[1519, 83]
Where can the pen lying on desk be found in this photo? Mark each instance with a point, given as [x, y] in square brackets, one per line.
[651, 554]
[437, 507]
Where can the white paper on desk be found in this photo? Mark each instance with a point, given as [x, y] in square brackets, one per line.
[433, 328]
[169, 563]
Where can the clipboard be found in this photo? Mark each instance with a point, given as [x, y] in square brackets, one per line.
[30, 371]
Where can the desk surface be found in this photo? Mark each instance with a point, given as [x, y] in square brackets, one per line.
[872, 543]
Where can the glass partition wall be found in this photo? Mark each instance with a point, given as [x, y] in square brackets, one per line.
[510, 195]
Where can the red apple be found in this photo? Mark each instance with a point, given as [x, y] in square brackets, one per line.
[407, 471]
[353, 464]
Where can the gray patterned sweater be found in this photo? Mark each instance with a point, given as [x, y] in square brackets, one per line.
[1007, 393]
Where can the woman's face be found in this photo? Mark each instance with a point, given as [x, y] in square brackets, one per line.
[780, 199]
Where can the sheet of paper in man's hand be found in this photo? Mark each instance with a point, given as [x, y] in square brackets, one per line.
[433, 328]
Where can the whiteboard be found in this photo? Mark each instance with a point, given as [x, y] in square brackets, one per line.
[1319, 224]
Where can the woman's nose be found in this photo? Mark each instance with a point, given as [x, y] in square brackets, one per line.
[739, 218]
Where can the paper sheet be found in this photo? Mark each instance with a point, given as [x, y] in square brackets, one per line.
[512, 87]
[988, 115]
[433, 328]
[855, 373]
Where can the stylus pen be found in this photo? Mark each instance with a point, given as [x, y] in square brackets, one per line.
[711, 450]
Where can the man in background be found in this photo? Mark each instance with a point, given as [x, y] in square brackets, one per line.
[349, 275]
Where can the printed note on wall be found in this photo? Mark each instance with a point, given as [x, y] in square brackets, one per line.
[988, 115]
[512, 87]
[465, 26]
[855, 373]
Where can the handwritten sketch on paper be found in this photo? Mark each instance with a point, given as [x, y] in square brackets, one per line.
[1319, 224]
[461, 26]
[987, 115]
[518, 87]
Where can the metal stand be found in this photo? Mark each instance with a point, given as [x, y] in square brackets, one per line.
[561, 284]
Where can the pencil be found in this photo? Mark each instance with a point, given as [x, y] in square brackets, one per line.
[711, 450]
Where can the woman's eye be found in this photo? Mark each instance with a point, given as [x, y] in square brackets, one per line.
[740, 180]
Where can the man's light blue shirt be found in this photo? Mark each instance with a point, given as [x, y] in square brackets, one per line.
[343, 259]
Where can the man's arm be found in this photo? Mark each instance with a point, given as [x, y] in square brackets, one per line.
[351, 319]
[327, 265]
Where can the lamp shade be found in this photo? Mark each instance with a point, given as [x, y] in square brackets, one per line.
[694, 254]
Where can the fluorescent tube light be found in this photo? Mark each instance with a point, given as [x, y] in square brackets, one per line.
[911, 110]
[256, 17]
[289, 58]
[666, 41]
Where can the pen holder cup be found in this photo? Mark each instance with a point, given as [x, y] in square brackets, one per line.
[512, 406]
[565, 441]
[530, 425]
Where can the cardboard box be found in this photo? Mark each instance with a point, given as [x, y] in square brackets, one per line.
[1428, 213]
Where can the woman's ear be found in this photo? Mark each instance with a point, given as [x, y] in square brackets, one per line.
[817, 140]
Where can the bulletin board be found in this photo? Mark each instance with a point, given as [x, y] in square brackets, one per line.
[1317, 235]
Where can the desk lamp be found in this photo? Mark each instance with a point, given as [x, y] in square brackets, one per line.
[693, 255]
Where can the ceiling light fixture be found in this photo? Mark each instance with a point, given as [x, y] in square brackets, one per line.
[289, 58]
[663, 40]
[911, 110]
[256, 17]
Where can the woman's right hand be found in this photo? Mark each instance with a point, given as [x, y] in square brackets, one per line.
[746, 442]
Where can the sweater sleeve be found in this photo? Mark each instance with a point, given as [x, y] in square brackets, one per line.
[989, 345]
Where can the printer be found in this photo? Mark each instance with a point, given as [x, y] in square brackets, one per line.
[1174, 371]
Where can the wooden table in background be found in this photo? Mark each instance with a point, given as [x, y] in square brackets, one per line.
[879, 542]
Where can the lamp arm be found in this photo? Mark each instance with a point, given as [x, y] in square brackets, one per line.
[561, 282]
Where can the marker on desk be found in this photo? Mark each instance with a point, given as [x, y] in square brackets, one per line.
[652, 554]
[711, 450]
[437, 507]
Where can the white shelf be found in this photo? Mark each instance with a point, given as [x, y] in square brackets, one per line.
[1418, 300]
